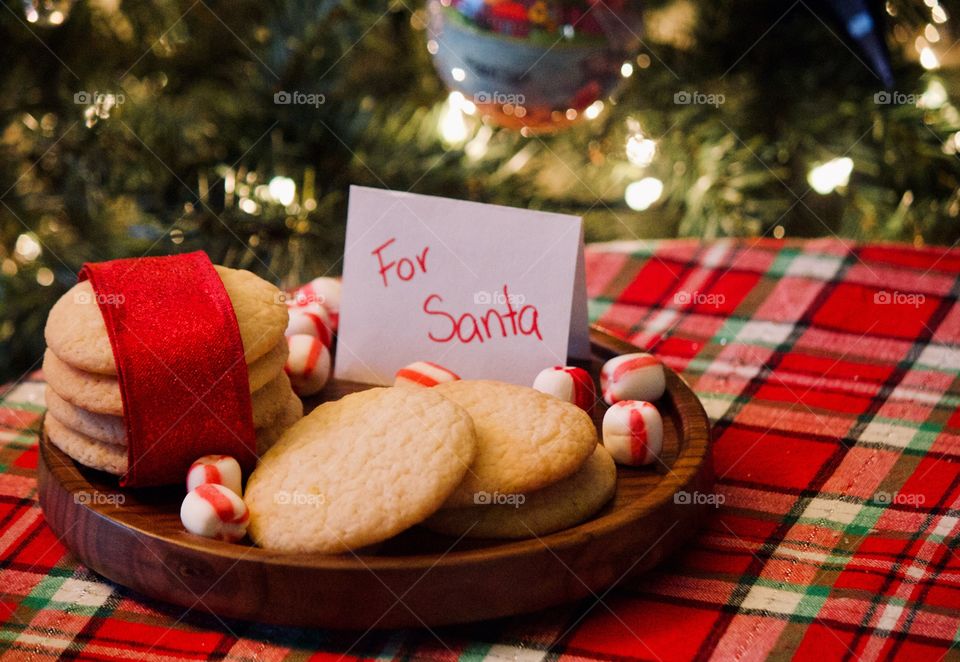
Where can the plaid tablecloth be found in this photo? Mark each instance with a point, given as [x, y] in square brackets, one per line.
[830, 372]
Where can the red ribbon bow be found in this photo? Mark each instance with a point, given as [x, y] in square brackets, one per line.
[180, 364]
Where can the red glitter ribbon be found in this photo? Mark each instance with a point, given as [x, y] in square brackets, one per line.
[180, 364]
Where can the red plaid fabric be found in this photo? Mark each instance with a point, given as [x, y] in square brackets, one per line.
[830, 372]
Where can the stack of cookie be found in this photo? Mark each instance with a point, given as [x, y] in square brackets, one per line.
[538, 469]
[465, 458]
[85, 407]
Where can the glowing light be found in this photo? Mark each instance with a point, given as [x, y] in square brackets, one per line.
[458, 74]
[938, 14]
[433, 47]
[282, 189]
[643, 193]
[934, 96]
[44, 276]
[571, 114]
[453, 125]
[248, 205]
[32, 15]
[626, 70]
[469, 107]
[928, 59]
[27, 247]
[640, 150]
[55, 18]
[476, 149]
[827, 177]
[931, 33]
[593, 111]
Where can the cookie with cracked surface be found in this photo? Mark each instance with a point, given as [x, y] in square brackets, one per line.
[555, 507]
[526, 440]
[76, 332]
[359, 470]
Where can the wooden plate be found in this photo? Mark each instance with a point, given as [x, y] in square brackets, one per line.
[134, 537]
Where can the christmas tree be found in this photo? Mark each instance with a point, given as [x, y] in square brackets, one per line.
[151, 128]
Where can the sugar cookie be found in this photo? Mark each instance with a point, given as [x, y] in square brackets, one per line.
[555, 507]
[359, 470]
[76, 332]
[526, 439]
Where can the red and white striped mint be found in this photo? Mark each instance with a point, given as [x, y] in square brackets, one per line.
[311, 320]
[214, 511]
[308, 364]
[216, 470]
[633, 432]
[637, 376]
[424, 373]
[568, 383]
[324, 291]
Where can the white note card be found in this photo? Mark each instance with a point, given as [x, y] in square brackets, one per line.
[489, 292]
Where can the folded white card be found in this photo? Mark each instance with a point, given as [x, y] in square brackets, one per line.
[489, 292]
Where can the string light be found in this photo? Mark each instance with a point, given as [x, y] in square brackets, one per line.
[626, 70]
[641, 150]
[27, 247]
[476, 149]
[453, 125]
[282, 189]
[827, 177]
[643, 193]
[593, 111]
[934, 96]
[928, 59]
[44, 276]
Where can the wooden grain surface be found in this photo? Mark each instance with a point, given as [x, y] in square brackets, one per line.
[134, 537]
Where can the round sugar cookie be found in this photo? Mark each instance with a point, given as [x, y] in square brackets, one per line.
[112, 458]
[555, 507]
[102, 427]
[106, 389]
[265, 368]
[526, 439]
[89, 452]
[100, 394]
[110, 429]
[359, 470]
[278, 403]
[290, 414]
[76, 332]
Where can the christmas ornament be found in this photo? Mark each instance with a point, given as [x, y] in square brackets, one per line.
[534, 64]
